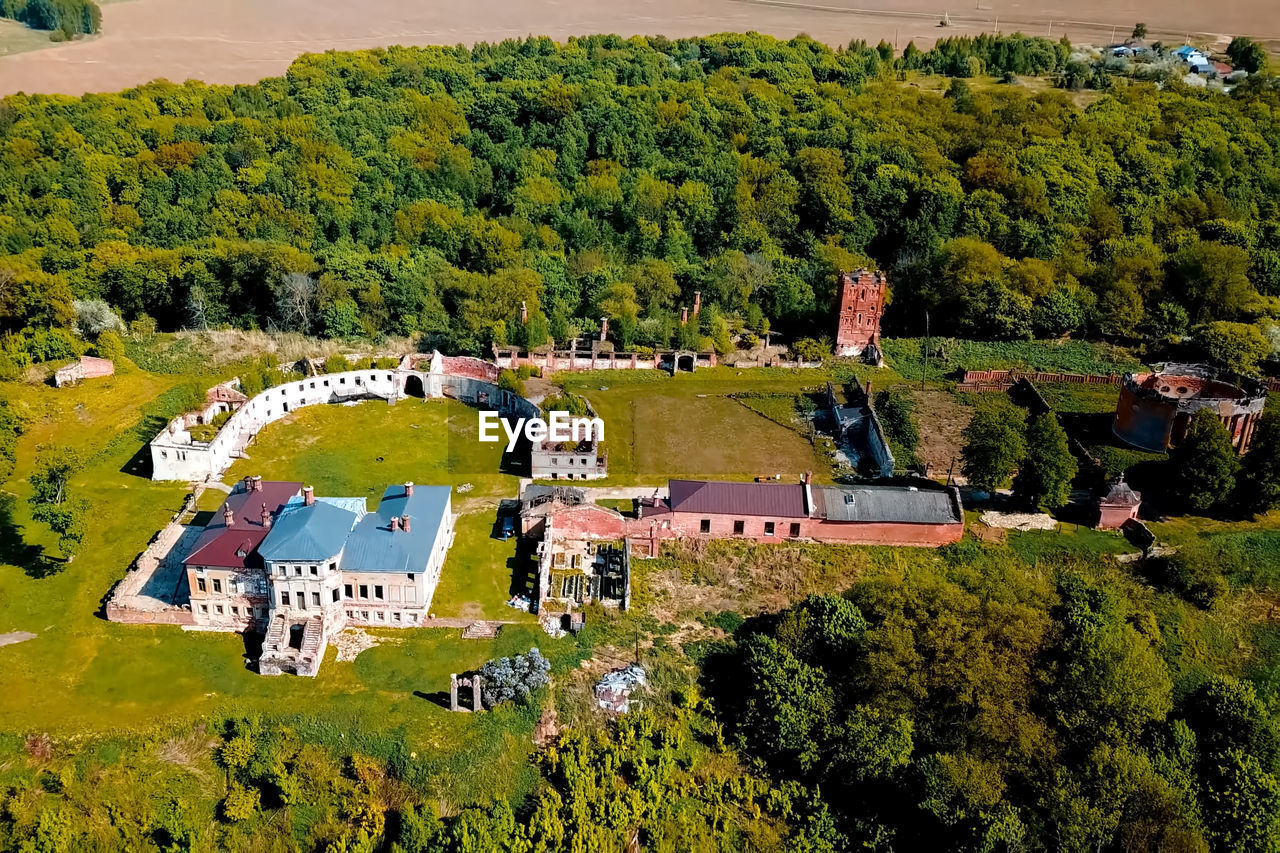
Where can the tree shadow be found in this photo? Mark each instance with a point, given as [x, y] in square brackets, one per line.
[15, 551]
[139, 464]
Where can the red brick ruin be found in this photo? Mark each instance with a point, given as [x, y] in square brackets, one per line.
[861, 302]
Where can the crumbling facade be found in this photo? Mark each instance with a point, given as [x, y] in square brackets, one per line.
[88, 367]
[1155, 409]
[177, 455]
[580, 569]
[859, 432]
[860, 302]
[278, 560]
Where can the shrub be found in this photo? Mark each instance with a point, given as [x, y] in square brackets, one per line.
[509, 380]
[241, 803]
[727, 621]
[1192, 572]
[336, 363]
[1236, 347]
[94, 316]
[515, 678]
[807, 349]
[142, 326]
[110, 346]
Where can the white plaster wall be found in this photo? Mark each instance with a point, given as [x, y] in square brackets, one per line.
[203, 461]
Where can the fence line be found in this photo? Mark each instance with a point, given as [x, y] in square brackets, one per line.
[1003, 380]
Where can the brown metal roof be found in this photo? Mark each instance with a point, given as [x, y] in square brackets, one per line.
[772, 499]
[236, 547]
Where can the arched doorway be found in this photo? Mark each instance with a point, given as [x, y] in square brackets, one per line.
[413, 386]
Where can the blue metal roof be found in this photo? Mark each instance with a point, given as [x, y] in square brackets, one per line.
[374, 547]
[302, 532]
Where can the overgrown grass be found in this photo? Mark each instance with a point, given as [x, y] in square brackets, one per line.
[906, 356]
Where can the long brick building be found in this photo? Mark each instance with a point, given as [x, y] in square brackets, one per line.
[769, 512]
[926, 515]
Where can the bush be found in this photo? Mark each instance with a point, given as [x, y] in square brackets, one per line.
[728, 621]
[241, 803]
[1193, 572]
[1237, 347]
[509, 380]
[143, 326]
[94, 316]
[110, 346]
[808, 349]
[515, 678]
[336, 363]
[387, 363]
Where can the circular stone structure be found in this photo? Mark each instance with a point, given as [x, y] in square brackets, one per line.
[1154, 409]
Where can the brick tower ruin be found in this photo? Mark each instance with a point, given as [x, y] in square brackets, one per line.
[858, 324]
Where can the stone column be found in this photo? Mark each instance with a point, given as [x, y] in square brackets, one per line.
[475, 693]
[453, 691]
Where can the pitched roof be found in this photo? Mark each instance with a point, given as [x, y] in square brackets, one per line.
[773, 499]
[236, 546]
[374, 547]
[1122, 495]
[891, 504]
[302, 532]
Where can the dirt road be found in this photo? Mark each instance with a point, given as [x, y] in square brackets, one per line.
[240, 41]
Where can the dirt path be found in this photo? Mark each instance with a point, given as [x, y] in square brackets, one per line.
[240, 41]
[16, 637]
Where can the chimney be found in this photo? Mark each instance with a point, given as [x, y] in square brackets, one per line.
[265, 516]
[257, 483]
[309, 496]
[228, 517]
[404, 523]
[524, 312]
[697, 302]
[684, 316]
[395, 523]
[248, 484]
[408, 489]
[604, 328]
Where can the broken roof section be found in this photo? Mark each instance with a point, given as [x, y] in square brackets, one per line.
[886, 504]
[777, 500]
[234, 545]
[614, 689]
[1122, 495]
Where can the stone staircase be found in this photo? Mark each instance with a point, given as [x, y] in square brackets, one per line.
[278, 654]
[481, 631]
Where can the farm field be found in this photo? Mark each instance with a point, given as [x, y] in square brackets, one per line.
[240, 41]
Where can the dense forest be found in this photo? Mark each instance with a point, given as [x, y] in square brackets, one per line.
[65, 18]
[432, 190]
[962, 699]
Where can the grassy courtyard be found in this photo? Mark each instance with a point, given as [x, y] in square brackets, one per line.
[659, 426]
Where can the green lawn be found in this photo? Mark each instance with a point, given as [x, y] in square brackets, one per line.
[658, 426]
[84, 673]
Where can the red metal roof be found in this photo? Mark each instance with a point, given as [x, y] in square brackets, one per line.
[773, 499]
[236, 547]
